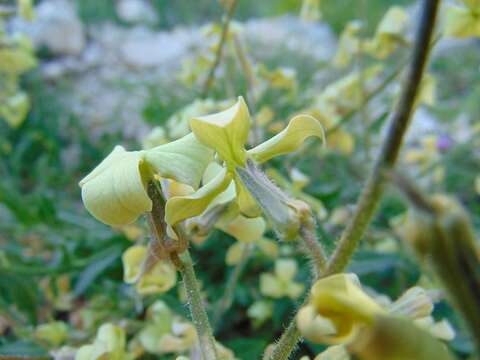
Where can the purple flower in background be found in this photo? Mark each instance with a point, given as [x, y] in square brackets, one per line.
[444, 142]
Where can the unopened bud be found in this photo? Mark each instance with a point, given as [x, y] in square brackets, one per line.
[284, 213]
[443, 237]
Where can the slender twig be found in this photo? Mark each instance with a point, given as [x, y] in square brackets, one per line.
[373, 190]
[177, 252]
[218, 55]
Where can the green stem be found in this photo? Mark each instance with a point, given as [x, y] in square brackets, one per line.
[197, 310]
[286, 344]
[313, 248]
[373, 190]
[218, 55]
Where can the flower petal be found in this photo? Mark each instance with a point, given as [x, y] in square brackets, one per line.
[226, 132]
[245, 229]
[289, 139]
[183, 160]
[114, 192]
[179, 208]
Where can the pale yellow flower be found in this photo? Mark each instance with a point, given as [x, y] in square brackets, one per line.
[115, 191]
[281, 283]
[160, 278]
[227, 133]
[463, 20]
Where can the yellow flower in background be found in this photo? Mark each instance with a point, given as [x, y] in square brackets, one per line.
[389, 33]
[160, 278]
[260, 311]
[166, 332]
[157, 136]
[16, 57]
[14, 109]
[280, 78]
[227, 133]
[115, 191]
[346, 94]
[53, 333]
[25, 9]
[281, 283]
[462, 20]
[349, 44]
[310, 10]
[109, 344]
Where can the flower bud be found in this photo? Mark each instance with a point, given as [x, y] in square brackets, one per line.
[284, 213]
[443, 238]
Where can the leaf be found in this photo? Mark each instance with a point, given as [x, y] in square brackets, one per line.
[94, 270]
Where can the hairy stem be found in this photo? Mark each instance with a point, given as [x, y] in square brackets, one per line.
[180, 256]
[197, 310]
[286, 344]
[218, 55]
[387, 157]
[313, 248]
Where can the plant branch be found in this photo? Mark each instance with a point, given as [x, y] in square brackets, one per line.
[218, 55]
[373, 190]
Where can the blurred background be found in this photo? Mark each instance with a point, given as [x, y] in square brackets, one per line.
[105, 72]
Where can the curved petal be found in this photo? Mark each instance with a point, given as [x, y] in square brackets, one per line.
[289, 139]
[339, 294]
[183, 160]
[179, 208]
[226, 132]
[114, 192]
